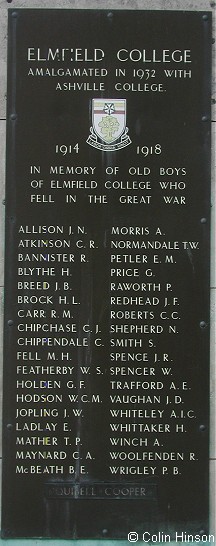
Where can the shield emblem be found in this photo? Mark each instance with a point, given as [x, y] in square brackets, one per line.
[109, 118]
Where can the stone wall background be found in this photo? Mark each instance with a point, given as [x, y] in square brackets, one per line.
[186, 5]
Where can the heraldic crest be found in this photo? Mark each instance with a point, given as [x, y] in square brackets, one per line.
[108, 131]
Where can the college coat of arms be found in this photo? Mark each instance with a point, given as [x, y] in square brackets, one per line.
[109, 131]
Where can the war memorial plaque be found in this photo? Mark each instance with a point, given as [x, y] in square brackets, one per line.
[106, 350]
